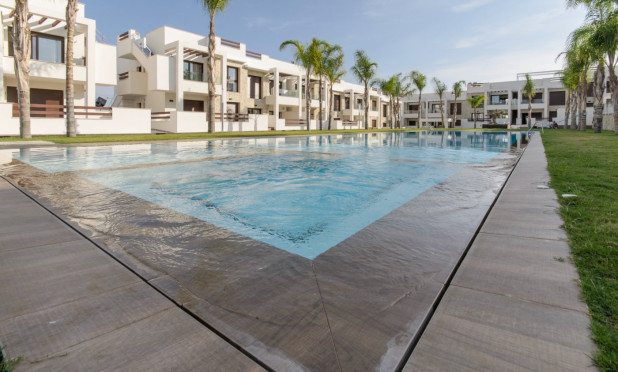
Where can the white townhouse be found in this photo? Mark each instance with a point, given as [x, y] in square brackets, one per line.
[504, 104]
[94, 66]
[166, 71]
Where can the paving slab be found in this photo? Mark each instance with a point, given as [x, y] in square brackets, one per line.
[478, 331]
[529, 269]
[67, 305]
[514, 304]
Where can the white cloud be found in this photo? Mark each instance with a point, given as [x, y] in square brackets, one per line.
[465, 7]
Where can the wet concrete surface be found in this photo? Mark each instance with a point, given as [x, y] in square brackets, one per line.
[514, 303]
[358, 306]
[67, 306]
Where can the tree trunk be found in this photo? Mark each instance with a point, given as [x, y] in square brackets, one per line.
[420, 108]
[22, 50]
[454, 112]
[530, 112]
[71, 15]
[598, 88]
[392, 113]
[330, 106]
[366, 103]
[442, 113]
[613, 84]
[211, 74]
[582, 105]
[308, 100]
[319, 126]
[475, 115]
[574, 103]
[567, 109]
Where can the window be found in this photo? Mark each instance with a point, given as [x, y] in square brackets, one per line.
[254, 111]
[452, 108]
[337, 103]
[193, 105]
[557, 98]
[193, 71]
[347, 103]
[384, 110]
[231, 108]
[255, 87]
[232, 79]
[374, 105]
[47, 48]
[412, 107]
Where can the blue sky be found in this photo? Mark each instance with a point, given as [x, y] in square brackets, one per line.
[472, 40]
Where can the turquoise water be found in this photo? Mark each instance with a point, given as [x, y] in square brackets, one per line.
[300, 194]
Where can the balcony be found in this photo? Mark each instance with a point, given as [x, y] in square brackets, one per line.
[534, 101]
[289, 93]
[498, 102]
[195, 76]
[47, 70]
[132, 83]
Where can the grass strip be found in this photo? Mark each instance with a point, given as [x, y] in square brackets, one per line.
[586, 164]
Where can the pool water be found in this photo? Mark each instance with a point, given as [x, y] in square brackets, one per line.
[300, 194]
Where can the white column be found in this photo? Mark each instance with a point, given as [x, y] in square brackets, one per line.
[224, 88]
[276, 94]
[91, 40]
[2, 88]
[300, 91]
[519, 116]
[546, 104]
[180, 101]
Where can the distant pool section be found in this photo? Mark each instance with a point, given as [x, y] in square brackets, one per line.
[303, 195]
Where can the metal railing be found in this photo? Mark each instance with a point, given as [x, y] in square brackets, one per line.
[295, 122]
[59, 111]
[230, 43]
[193, 75]
[165, 115]
[232, 116]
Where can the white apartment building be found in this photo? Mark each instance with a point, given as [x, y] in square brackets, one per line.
[94, 66]
[504, 104]
[166, 71]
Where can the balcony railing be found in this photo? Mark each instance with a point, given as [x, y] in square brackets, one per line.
[535, 100]
[194, 76]
[59, 111]
[498, 102]
[232, 116]
[288, 93]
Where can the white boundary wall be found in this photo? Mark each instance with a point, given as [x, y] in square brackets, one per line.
[123, 121]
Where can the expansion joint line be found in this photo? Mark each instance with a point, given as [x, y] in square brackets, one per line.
[330, 330]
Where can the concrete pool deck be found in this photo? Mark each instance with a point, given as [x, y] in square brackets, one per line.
[66, 303]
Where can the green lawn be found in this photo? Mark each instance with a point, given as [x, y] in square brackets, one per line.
[586, 164]
[189, 136]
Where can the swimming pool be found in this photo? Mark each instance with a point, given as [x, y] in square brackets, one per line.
[303, 195]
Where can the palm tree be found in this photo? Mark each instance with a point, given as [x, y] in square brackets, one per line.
[529, 91]
[570, 82]
[387, 86]
[440, 89]
[212, 7]
[71, 16]
[365, 72]
[333, 71]
[22, 49]
[326, 53]
[602, 17]
[476, 102]
[457, 92]
[401, 89]
[420, 82]
[307, 56]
